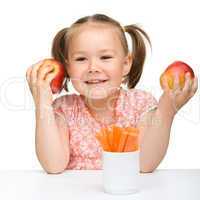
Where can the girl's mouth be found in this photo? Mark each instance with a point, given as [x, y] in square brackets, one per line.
[94, 82]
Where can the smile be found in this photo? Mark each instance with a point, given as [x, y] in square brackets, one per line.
[95, 82]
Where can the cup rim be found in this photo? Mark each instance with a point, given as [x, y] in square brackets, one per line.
[120, 153]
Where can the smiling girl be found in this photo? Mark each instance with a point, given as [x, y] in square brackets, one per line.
[97, 61]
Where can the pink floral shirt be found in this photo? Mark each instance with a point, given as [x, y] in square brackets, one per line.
[85, 150]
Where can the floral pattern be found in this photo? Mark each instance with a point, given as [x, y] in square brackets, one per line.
[85, 150]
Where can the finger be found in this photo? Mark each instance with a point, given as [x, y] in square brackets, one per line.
[188, 84]
[28, 77]
[194, 86]
[43, 71]
[49, 77]
[176, 86]
[35, 71]
[28, 73]
[165, 84]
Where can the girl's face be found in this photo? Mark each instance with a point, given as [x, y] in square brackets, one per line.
[96, 53]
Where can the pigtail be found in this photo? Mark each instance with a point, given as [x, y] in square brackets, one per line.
[138, 53]
[58, 51]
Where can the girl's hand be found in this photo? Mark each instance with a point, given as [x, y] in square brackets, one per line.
[39, 78]
[178, 96]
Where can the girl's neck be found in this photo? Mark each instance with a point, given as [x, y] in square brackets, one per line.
[103, 110]
[105, 105]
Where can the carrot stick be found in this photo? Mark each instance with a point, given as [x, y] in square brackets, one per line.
[122, 142]
[110, 136]
[100, 139]
[131, 144]
[132, 131]
[132, 139]
[116, 137]
[105, 140]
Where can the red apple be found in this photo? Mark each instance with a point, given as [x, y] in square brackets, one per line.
[177, 68]
[58, 69]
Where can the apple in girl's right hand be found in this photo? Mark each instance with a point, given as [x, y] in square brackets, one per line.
[58, 68]
[177, 68]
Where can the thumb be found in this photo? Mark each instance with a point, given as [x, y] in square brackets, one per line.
[49, 77]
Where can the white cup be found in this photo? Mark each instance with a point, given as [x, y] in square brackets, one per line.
[121, 172]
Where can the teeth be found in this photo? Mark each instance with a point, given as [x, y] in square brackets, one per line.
[95, 81]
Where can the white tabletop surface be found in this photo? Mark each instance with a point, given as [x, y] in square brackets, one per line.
[87, 184]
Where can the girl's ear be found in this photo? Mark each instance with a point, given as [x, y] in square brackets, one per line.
[127, 64]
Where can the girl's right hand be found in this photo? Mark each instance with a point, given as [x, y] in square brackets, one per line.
[39, 77]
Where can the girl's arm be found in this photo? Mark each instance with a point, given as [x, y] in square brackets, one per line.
[52, 140]
[155, 129]
[155, 126]
[52, 143]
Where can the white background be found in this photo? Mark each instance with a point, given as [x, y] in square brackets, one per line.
[26, 33]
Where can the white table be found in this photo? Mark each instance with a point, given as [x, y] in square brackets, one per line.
[87, 184]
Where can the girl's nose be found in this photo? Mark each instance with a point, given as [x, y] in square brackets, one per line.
[92, 70]
[93, 67]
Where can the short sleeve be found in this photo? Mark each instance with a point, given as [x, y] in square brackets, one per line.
[63, 106]
[58, 110]
[145, 102]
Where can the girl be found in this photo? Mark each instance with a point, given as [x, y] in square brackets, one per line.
[97, 61]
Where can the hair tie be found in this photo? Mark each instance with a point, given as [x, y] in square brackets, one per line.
[123, 28]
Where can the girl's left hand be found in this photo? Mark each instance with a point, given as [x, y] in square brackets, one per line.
[178, 96]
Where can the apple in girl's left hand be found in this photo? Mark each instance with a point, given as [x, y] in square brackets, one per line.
[179, 69]
[58, 68]
[179, 84]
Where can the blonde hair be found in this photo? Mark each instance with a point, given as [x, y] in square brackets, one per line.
[62, 38]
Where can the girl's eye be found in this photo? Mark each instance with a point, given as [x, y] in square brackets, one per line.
[80, 59]
[106, 57]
